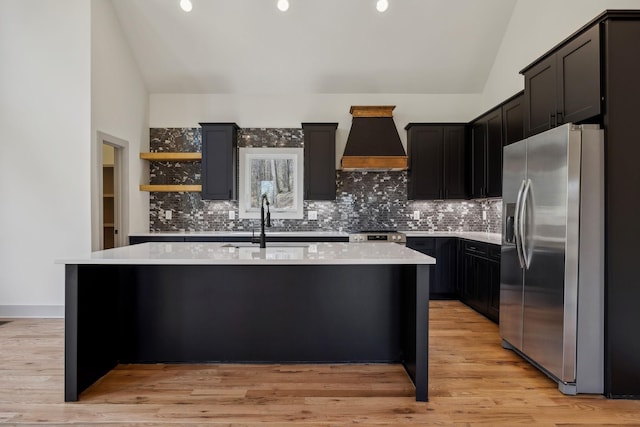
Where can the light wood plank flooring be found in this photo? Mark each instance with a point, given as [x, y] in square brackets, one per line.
[473, 381]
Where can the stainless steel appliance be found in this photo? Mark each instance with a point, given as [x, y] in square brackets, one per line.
[551, 280]
[369, 236]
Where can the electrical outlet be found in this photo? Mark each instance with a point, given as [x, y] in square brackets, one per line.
[312, 215]
[484, 215]
[168, 214]
[232, 214]
[416, 215]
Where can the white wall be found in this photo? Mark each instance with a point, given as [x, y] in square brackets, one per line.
[184, 110]
[119, 107]
[535, 27]
[45, 103]
[66, 74]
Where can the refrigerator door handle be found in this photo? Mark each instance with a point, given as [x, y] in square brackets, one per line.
[522, 224]
[517, 226]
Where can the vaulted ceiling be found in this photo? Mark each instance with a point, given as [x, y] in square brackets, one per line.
[317, 46]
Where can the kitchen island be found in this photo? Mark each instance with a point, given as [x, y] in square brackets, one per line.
[237, 303]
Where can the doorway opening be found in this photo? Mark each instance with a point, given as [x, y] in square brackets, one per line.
[109, 229]
[110, 195]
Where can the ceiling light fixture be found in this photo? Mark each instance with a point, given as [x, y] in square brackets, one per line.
[382, 5]
[283, 5]
[186, 5]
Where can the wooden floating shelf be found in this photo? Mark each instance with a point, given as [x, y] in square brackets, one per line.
[171, 188]
[166, 156]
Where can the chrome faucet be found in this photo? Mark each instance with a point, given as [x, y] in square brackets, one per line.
[263, 237]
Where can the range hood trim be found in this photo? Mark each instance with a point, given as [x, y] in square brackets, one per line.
[374, 163]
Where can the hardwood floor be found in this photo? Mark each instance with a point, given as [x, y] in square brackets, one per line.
[473, 381]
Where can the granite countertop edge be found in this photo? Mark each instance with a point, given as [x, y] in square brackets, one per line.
[207, 253]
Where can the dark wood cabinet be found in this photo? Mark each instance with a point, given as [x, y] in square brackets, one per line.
[486, 155]
[480, 281]
[444, 277]
[219, 161]
[455, 167]
[493, 281]
[620, 117]
[477, 159]
[319, 161]
[540, 97]
[564, 86]
[447, 270]
[436, 161]
[513, 119]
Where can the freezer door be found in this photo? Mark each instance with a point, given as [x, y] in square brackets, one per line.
[545, 232]
[511, 274]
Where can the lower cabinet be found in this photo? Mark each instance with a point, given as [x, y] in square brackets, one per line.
[444, 277]
[480, 277]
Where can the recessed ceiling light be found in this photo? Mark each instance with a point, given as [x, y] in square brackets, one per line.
[283, 5]
[186, 5]
[382, 5]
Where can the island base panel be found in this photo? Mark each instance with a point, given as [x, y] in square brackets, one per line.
[264, 314]
[91, 325]
[270, 314]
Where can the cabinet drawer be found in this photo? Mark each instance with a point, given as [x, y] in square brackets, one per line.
[474, 248]
[426, 245]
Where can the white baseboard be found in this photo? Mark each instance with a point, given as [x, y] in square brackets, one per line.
[32, 311]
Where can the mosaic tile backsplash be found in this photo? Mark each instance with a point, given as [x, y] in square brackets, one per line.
[364, 200]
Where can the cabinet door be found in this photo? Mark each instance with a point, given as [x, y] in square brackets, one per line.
[513, 120]
[493, 281]
[474, 282]
[540, 97]
[425, 145]
[478, 161]
[446, 267]
[579, 78]
[319, 161]
[454, 163]
[219, 159]
[493, 146]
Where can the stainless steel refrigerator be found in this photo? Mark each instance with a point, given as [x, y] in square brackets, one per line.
[552, 265]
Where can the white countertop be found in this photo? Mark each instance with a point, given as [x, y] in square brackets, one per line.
[182, 253]
[479, 236]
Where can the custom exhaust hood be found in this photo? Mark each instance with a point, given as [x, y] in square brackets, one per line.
[373, 143]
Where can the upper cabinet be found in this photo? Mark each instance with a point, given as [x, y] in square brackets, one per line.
[436, 161]
[486, 155]
[513, 120]
[219, 160]
[564, 87]
[319, 161]
[489, 133]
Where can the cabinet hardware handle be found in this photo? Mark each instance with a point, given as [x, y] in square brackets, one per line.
[552, 120]
[560, 117]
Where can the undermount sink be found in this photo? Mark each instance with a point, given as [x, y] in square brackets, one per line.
[269, 245]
